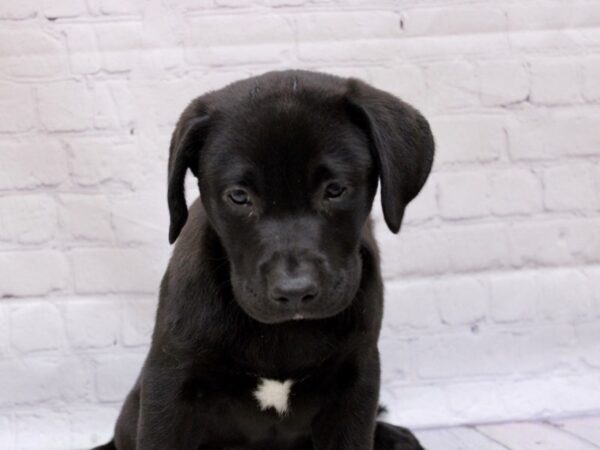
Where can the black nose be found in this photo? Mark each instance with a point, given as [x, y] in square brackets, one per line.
[297, 290]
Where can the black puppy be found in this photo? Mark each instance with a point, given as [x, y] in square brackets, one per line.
[270, 310]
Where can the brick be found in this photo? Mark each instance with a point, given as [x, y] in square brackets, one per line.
[234, 3]
[24, 9]
[413, 398]
[569, 188]
[451, 21]
[113, 105]
[538, 134]
[50, 431]
[218, 39]
[591, 75]
[410, 304]
[25, 165]
[445, 49]
[164, 101]
[17, 109]
[121, 6]
[430, 252]
[115, 375]
[474, 399]
[582, 239]
[6, 431]
[131, 221]
[27, 219]
[597, 177]
[28, 53]
[552, 135]
[545, 349]
[515, 192]
[588, 336]
[538, 42]
[541, 16]
[168, 56]
[65, 106]
[395, 359]
[593, 275]
[453, 85]
[92, 323]
[48, 332]
[513, 297]
[565, 295]
[96, 161]
[120, 45]
[86, 217]
[276, 3]
[63, 8]
[4, 331]
[424, 207]
[138, 321]
[463, 195]
[503, 82]
[468, 138]
[529, 243]
[581, 136]
[74, 376]
[27, 381]
[532, 394]
[199, 5]
[116, 270]
[412, 253]
[455, 356]
[32, 273]
[84, 57]
[405, 81]
[477, 247]
[93, 426]
[555, 82]
[461, 301]
[323, 36]
[334, 26]
[346, 51]
[124, 103]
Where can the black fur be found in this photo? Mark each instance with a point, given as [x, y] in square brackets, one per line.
[275, 273]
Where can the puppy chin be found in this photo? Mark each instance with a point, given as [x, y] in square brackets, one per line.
[271, 316]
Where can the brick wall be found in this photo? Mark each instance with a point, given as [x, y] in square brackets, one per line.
[493, 287]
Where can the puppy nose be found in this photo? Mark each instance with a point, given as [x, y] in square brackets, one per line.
[297, 290]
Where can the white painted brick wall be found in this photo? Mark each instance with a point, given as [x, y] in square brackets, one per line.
[493, 286]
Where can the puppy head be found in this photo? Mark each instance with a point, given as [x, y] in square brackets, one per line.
[288, 165]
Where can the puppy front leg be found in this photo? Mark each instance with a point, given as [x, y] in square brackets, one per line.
[166, 417]
[348, 419]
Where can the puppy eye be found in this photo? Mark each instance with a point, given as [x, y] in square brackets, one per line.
[239, 197]
[334, 190]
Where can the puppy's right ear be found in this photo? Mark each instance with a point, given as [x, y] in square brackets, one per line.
[189, 136]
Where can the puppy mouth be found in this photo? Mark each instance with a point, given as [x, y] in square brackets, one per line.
[253, 302]
[268, 315]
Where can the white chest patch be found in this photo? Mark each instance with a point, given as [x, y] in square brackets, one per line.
[273, 394]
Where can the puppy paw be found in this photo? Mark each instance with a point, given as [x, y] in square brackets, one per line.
[392, 437]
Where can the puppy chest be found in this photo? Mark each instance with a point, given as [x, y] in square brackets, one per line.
[273, 394]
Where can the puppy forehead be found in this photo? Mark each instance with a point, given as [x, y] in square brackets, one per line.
[286, 139]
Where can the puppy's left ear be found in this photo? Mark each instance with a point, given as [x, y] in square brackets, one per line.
[187, 139]
[401, 142]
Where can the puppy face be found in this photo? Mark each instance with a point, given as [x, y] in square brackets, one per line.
[288, 165]
[288, 189]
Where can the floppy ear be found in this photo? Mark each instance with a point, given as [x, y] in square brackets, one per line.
[402, 145]
[187, 139]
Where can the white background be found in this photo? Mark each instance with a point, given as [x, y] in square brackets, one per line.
[493, 286]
